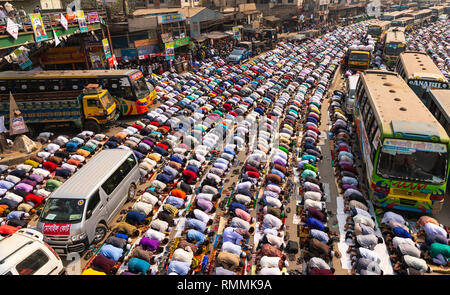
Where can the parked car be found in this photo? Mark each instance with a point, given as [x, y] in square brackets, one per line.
[25, 253]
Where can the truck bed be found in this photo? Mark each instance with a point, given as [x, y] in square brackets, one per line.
[45, 107]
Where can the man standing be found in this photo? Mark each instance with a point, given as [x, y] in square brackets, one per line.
[37, 9]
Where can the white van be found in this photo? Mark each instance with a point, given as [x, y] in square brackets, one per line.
[78, 212]
[25, 253]
[352, 81]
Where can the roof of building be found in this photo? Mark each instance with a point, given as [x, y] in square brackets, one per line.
[190, 11]
[154, 11]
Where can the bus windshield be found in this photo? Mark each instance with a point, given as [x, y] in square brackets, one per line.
[358, 56]
[415, 165]
[393, 49]
[63, 210]
[140, 87]
[374, 31]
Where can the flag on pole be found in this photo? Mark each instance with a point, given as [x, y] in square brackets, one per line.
[57, 41]
[12, 28]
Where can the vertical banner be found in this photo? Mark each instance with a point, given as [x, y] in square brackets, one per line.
[12, 28]
[82, 21]
[63, 21]
[38, 27]
[22, 59]
[97, 60]
[93, 17]
[236, 33]
[106, 48]
[170, 51]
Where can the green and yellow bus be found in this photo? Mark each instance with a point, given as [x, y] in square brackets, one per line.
[420, 72]
[390, 16]
[436, 11]
[394, 44]
[377, 29]
[404, 148]
[404, 22]
[129, 89]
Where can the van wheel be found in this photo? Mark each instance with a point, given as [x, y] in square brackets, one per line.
[100, 233]
[131, 192]
[91, 125]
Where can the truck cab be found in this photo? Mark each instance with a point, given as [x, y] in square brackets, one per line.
[99, 108]
[240, 53]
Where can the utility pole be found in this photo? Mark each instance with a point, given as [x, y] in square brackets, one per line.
[235, 10]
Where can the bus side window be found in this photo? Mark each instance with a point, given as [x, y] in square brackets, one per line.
[366, 107]
[42, 85]
[369, 120]
[5, 87]
[56, 85]
[74, 84]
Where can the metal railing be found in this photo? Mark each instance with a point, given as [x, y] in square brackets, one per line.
[50, 20]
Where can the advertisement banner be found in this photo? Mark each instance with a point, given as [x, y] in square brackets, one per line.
[18, 125]
[128, 54]
[145, 42]
[63, 21]
[170, 51]
[236, 33]
[38, 27]
[181, 42]
[97, 60]
[12, 28]
[106, 48]
[111, 61]
[22, 59]
[63, 55]
[93, 17]
[170, 18]
[82, 21]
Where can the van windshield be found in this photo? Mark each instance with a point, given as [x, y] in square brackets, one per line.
[63, 210]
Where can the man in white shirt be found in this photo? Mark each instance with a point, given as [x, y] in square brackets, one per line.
[183, 255]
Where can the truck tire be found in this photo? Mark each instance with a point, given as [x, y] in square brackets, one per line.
[91, 125]
[100, 233]
[258, 51]
[131, 192]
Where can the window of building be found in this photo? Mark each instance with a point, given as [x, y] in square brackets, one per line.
[32, 263]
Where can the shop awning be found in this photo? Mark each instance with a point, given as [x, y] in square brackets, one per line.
[272, 18]
[200, 38]
[216, 35]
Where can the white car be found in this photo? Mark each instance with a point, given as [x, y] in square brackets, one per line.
[25, 253]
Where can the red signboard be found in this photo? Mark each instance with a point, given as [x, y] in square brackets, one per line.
[111, 62]
[56, 229]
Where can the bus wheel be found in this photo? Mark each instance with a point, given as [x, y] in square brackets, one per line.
[91, 125]
[131, 192]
